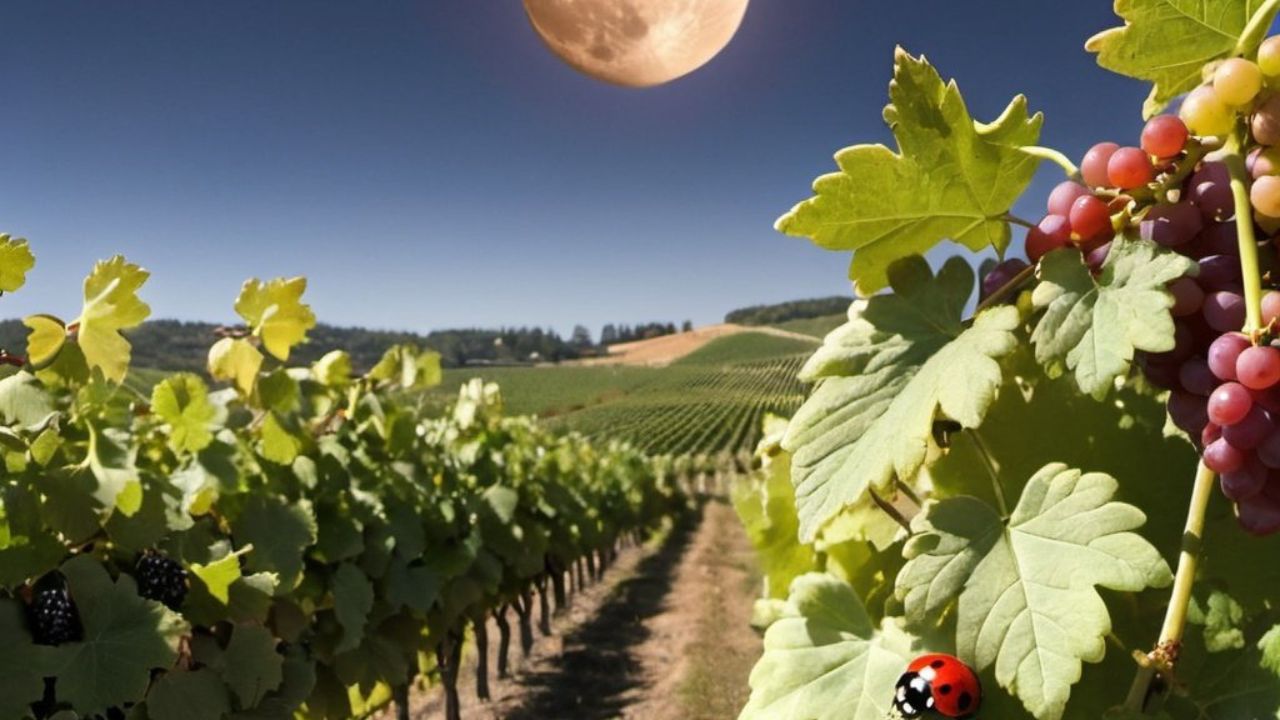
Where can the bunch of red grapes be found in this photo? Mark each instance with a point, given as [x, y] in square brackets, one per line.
[1175, 190]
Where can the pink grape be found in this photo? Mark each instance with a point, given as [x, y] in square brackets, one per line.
[1093, 168]
[1260, 514]
[1164, 136]
[1188, 412]
[1258, 368]
[1223, 354]
[1063, 195]
[1089, 217]
[1001, 275]
[1219, 272]
[1210, 433]
[1229, 404]
[1265, 123]
[1221, 458]
[1270, 306]
[1210, 190]
[1096, 257]
[1129, 168]
[1269, 450]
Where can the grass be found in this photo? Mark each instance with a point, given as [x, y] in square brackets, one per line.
[817, 327]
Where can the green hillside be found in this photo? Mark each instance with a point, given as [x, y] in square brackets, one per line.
[816, 326]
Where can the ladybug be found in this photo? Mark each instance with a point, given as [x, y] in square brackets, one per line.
[939, 683]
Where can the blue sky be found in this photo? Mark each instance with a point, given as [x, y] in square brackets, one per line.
[430, 164]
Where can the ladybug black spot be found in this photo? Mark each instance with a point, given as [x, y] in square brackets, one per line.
[965, 701]
[937, 664]
[945, 689]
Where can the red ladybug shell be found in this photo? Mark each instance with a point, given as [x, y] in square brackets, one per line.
[953, 686]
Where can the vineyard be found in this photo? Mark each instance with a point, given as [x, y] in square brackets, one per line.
[292, 540]
[709, 402]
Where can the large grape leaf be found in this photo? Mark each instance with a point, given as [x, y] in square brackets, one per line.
[125, 638]
[352, 601]
[766, 505]
[883, 377]
[279, 534]
[111, 304]
[1093, 328]
[1025, 591]
[825, 660]
[15, 260]
[47, 337]
[276, 313]
[953, 179]
[182, 401]
[195, 695]
[112, 458]
[1168, 42]
[251, 664]
[23, 664]
[23, 401]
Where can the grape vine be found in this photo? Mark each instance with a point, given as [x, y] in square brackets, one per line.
[292, 542]
[1059, 484]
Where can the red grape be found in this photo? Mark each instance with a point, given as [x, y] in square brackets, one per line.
[1053, 232]
[1196, 377]
[1224, 311]
[1270, 306]
[1089, 217]
[1188, 412]
[1187, 296]
[1001, 275]
[1269, 449]
[1129, 168]
[1164, 136]
[1171, 225]
[1221, 458]
[1260, 514]
[1245, 481]
[1249, 432]
[1223, 354]
[1258, 368]
[1229, 404]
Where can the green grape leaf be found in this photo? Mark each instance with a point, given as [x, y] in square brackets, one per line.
[825, 660]
[1026, 601]
[882, 379]
[299, 678]
[333, 370]
[15, 261]
[251, 666]
[278, 444]
[408, 366]
[45, 341]
[125, 638]
[766, 505]
[1269, 646]
[195, 695]
[279, 534]
[1168, 42]
[352, 601]
[275, 312]
[953, 179]
[182, 401]
[111, 304]
[1094, 328]
[23, 664]
[1221, 617]
[23, 402]
[111, 458]
[235, 360]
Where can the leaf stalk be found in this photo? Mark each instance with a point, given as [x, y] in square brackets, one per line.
[1054, 156]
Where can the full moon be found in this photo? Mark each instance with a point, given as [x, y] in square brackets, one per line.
[636, 43]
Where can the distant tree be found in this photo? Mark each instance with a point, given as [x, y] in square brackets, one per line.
[581, 337]
[669, 328]
[687, 326]
[609, 334]
[794, 310]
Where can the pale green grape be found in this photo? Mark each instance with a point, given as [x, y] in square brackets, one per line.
[1237, 81]
[1205, 113]
[1269, 57]
[1265, 195]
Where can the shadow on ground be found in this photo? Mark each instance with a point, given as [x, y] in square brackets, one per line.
[598, 668]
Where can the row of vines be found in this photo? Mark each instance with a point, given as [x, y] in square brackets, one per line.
[292, 542]
[1061, 469]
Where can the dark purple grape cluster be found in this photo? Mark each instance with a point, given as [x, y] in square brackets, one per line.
[52, 613]
[162, 579]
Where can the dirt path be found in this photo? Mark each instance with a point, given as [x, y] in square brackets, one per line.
[664, 637]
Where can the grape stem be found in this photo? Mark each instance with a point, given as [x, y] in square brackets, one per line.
[1257, 27]
[888, 509]
[1015, 220]
[1165, 655]
[1052, 155]
[1248, 243]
